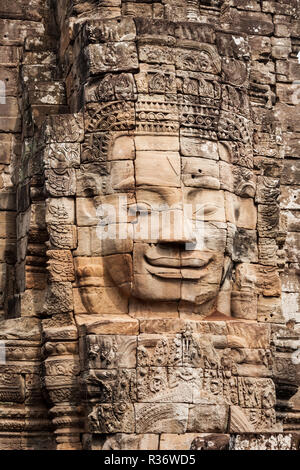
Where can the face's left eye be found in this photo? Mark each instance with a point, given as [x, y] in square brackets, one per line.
[205, 210]
[136, 210]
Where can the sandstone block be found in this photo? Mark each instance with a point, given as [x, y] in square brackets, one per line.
[254, 23]
[112, 57]
[207, 418]
[14, 32]
[195, 147]
[269, 310]
[99, 300]
[131, 442]
[169, 163]
[119, 30]
[159, 418]
[108, 419]
[108, 325]
[240, 212]
[290, 305]
[189, 440]
[253, 335]
[109, 351]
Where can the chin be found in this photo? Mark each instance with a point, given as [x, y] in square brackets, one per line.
[199, 294]
[149, 289]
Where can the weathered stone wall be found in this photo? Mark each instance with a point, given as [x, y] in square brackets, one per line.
[24, 419]
[98, 96]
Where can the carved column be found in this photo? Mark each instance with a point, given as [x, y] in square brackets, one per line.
[61, 157]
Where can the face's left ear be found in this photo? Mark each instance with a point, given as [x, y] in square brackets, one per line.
[223, 303]
[120, 269]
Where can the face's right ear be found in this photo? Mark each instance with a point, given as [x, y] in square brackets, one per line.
[121, 147]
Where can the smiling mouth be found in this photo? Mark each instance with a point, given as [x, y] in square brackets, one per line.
[178, 268]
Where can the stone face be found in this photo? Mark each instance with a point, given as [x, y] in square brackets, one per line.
[149, 225]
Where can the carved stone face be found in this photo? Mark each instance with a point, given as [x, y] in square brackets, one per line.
[175, 161]
[175, 229]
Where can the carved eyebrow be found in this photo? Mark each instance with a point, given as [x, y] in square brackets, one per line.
[193, 190]
[207, 209]
[152, 189]
[137, 205]
[159, 198]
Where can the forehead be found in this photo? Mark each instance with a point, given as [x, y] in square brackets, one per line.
[160, 160]
[166, 157]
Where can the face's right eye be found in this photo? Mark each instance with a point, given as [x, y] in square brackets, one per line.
[137, 210]
[205, 210]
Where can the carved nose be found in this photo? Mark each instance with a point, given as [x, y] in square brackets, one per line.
[180, 230]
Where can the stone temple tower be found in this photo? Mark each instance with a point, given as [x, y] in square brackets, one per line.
[149, 224]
